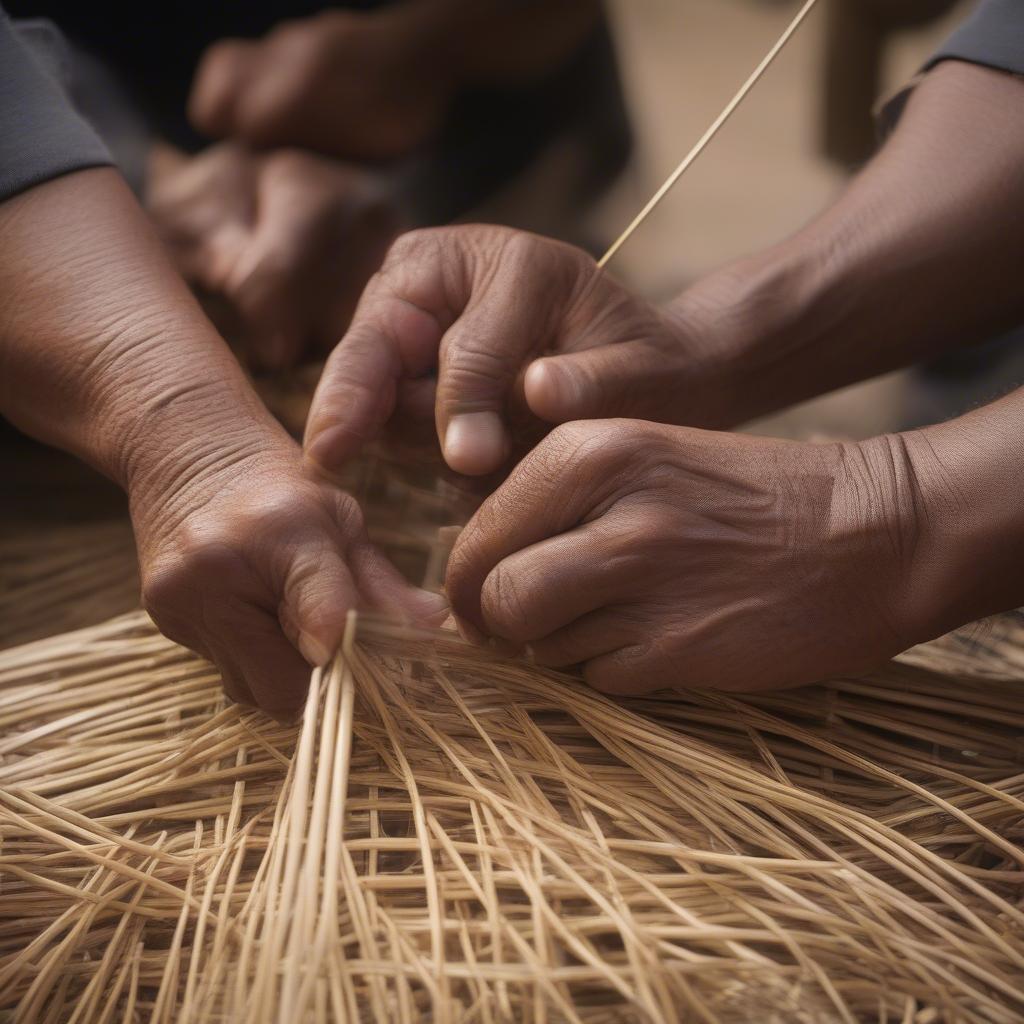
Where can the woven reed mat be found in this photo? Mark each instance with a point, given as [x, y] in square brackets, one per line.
[451, 837]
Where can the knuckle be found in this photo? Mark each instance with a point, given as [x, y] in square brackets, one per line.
[293, 37]
[568, 437]
[520, 249]
[211, 556]
[173, 588]
[575, 445]
[413, 245]
[474, 368]
[218, 61]
[163, 591]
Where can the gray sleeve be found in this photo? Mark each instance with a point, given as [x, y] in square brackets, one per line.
[41, 136]
[993, 36]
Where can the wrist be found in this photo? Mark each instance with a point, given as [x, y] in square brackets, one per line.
[969, 556]
[172, 472]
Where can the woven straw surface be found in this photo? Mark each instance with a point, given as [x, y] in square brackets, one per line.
[448, 836]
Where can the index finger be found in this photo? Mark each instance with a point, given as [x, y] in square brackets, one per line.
[391, 338]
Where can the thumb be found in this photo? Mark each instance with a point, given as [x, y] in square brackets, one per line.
[318, 594]
[627, 379]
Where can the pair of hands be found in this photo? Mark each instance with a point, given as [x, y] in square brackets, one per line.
[282, 225]
[279, 244]
[806, 560]
[651, 554]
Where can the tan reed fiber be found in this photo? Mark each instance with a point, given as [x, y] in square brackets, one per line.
[449, 836]
[702, 143]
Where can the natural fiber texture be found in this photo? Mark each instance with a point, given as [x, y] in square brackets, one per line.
[452, 837]
[64, 577]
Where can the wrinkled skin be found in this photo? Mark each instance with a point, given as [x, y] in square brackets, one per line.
[657, 556]
[255, 566]
[351, 84]
[287, 240]
[103, 351]
[522, 332]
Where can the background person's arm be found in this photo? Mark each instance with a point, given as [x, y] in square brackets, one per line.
[922, 253]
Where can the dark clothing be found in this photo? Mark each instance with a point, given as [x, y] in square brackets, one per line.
[993, 36]
[153, 48]
[41, 136]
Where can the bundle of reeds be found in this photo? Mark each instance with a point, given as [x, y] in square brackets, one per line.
[453, 837]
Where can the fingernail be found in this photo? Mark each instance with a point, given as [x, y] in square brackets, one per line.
[475, 443]
[313, 651]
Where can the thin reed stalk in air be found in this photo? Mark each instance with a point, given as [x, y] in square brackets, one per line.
[716, 125]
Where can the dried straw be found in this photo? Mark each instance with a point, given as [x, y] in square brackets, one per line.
[450, 836]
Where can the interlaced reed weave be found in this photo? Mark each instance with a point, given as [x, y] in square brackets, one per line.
[450, 836]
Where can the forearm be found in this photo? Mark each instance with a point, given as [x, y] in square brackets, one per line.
[103, 352]
[922, 252]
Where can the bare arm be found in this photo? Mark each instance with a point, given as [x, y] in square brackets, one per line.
[104, 352]
[923, 252]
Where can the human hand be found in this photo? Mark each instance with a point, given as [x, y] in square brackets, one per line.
[247, 561]
[355, 85]
[523, 332]
[659, 556]
[105, 353]
[287, 238]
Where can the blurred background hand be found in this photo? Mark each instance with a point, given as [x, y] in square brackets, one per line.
[285, 240]
[353, 84]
